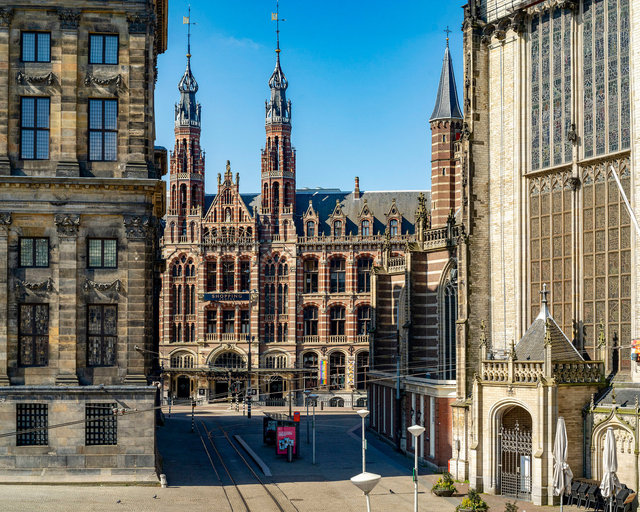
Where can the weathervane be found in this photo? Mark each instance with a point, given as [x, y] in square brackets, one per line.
[186, 20]
[275, 16]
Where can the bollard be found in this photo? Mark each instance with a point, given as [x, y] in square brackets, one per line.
[163, 480]
[290, 453]
[322, 406]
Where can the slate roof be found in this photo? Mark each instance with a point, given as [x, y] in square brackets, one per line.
[624, 396]
[447, 106]
[531, 346]
[324, 203]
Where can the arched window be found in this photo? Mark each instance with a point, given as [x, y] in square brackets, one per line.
[362, 368]
[287, 192]
[365, 228]
[337, 370]
[173, 229]
[450, 320]
[173, 197]
[310, 361]
[310, 321]
[311, 228]
[279, 332]
[364, 275]
[275, 195]
[280, 299]
[193, 300]
[364, 320]
[228, 275]
[393, 227]
[275, 361]
[337, 228]
[310, 270]
[178, 304]
[183, 197]
[337, 275]
[187, 301]
[187, 333]
[179, 333]
[337, 318]
[269, 332]
[182, 360]
[192, 229]
[265, 195]
[229, 360]
[193, 333]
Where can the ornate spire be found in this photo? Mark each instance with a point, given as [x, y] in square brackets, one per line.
[188, 109]
[447, 106]
[278, 109]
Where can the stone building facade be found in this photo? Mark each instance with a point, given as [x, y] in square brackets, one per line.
[546, 156]
[413, 371]
[80, 195]
[308, 252]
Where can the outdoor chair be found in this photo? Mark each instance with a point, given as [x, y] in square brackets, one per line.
[572, 498]
[582, 495]
[621, 503]
[594, 498]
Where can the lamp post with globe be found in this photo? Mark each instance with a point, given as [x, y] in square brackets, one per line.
[363, 413]
[416, 431]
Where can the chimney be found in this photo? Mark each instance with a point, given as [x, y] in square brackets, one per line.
[356, 190]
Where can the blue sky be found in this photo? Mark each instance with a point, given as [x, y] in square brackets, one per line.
[363, 76]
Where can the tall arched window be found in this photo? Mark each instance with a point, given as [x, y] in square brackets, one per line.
[364, 320]
[193, 300]
[265, 195]
[393, 227]
[364, 275]
[310, 362]
[337, 228]
[311, 228]
[192, 229]
[275, 361]
[310, 321]
[229, 360]
[362, 368]
[178, 304]
[173, 229]
[337, 370]
[337, 318]
[450, 319]
[275, 195]
[365, 227]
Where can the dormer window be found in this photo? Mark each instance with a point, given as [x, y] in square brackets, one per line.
[337, 228]
[311, 228]
[365, 228]
[393, 227]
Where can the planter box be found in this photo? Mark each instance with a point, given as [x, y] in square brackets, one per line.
[443, 492]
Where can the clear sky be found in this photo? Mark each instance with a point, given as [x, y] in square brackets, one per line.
[363, 76]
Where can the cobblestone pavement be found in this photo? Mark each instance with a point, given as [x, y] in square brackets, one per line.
[194, 486]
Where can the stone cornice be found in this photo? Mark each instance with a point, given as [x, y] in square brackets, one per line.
[82, 182]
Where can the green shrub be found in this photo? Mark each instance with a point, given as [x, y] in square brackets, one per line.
[444, 483]
[474, 502]
[511, 506]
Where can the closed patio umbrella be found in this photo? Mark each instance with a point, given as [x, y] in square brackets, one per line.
[562, 474]
[610, 484]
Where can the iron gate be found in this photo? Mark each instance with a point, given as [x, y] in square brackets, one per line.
[515, 462]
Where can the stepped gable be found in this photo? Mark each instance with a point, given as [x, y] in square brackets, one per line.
[531, 346]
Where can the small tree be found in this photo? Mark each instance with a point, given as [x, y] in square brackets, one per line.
[511, 506]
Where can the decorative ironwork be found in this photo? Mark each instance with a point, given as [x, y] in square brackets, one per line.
[515, 462]
[48, 79]
[69, 18]
[101, 427]
[67, 225]
[33, 419]
[117, 80]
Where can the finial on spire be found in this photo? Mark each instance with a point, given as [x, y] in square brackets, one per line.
[447, 31]
[275, 16]
[543, 293]
[186, 20]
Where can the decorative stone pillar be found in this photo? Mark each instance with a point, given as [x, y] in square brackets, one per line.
[67, 226]
[138, 230]
[5, 21]
[68, 159]
[5, 222]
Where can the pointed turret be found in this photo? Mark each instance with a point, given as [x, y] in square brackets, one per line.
[188, 109]
[278, 109]
[447, 106]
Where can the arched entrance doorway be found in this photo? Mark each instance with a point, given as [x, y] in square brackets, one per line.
[276, 388]
[183, 387]
[514, 453]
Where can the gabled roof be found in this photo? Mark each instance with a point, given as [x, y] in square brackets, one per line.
[447, 106]
[531, 346]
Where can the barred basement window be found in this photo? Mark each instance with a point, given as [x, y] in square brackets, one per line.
[102, 327]
[32, 424]
[101, 426]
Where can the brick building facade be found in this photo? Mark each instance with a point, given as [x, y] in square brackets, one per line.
[308, 252]
[413, 370]
[80, 196]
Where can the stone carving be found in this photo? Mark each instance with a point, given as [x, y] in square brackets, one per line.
[6, 13]
[102, 287]
[466, 132]
[67, 225]
[547, 5]
[572, 134]
[44, 286]
[137, 227]
[5, 218]
[574, 183]
[487, 32]
[69, 18]
[117, 80]
[518, 24]
[139, 23]
[48, 79]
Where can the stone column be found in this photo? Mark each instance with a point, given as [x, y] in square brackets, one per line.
[5, 221]
[138, 230]
[67, 226]
[68, 158]
[5, 20]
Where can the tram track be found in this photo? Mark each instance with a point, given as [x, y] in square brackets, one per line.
[243, 501]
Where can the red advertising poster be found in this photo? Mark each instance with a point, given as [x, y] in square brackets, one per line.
[286, 437]
[296, 416]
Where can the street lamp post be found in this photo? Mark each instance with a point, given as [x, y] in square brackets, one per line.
[416, 431]
[314, 397]
[366, 482]
[306, 393]
[253, 296]
[363, 413]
